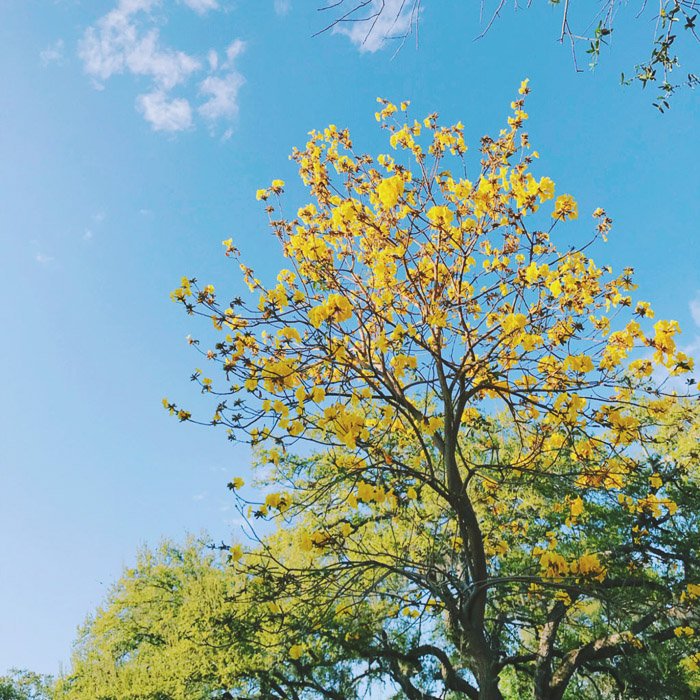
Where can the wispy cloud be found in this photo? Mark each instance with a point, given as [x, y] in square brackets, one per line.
[221, 91]
[202, 6]
[695, 309]
[693, 347]
[222, 96]
[125, 42]
[43, 259]
[385, 19]
[53, 53]
[282, 7]
[164, 113]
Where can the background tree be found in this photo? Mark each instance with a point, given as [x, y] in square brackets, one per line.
[585, 29]
[485, 411]
[183, 625]
[25, 685]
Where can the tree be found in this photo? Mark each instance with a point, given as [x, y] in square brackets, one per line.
[25, 685]
[374, 22]
[182, 625]
[463, 422]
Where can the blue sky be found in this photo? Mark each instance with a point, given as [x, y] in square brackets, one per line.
[134, 134]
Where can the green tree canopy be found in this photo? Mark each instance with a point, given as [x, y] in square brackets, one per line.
[183, 625]
[25, 685]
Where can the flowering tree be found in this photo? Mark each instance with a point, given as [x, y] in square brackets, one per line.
[462, 422]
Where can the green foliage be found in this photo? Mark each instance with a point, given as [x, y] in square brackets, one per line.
[25, 685]
[181, 625]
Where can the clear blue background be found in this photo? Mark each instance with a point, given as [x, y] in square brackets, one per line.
[100, 215]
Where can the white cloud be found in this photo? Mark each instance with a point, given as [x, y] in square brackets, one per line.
[695, 309]
[125, 42]
[106, 45]
[132, 6]
[88, 235]
[386, 19]
[202, 6]
[167, 68]
[163, 113]
[53, 53]
[43, 259]
[693, 348]
[213, 59]
[116, 44]
[233, 51]
[282, 7]
[223, 96]
[221, 91]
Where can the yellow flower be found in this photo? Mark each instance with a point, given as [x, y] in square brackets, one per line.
[336, 308]
[389, 190]
[273, 500]
[238, 482]
[565, 208]
[579, 363]
[589, 565]
[289, 333]
[317, 316]
[295, 651]
[691, 663]
[576, 507]
[692, 592]
[440, 216]
[553, 564]
[513, 322]
[340, 308]
[545, 189]
[279, 374]
[644, 309]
